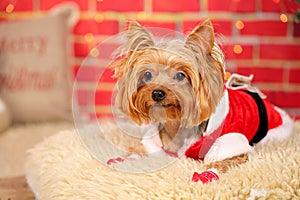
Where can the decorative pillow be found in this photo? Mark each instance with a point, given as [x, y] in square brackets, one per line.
[35, 70]
[5, 117]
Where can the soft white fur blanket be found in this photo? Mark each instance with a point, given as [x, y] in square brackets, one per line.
[61, 168]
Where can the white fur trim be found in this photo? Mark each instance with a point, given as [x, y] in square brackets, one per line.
[239, 82]
[281, 132]
[151, 140]
[244, 81]
[227, 146]
[219, 115]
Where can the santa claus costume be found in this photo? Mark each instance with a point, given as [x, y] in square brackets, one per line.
[242, 119]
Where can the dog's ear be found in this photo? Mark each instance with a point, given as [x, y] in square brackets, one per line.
[209, 90]
[138, 37]
[202, 37]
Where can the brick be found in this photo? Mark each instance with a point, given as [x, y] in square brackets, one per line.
[281, 6]
[88, 74]
[166, 25]
[247, 52]
[263, 74]
[46, 4]
[107, 76]
[188, 26]
[264, 28]
[24, 5]
[294, 76]
[280, 51]
[232, 5]
[160, 29]
[120, 5]
[284, 99]
[103, 97]
[94, 74]
[223, 27]
[106, 50]
[81, 50]
[106, 27]
[83, 97]
[176, 6]
[98, 97]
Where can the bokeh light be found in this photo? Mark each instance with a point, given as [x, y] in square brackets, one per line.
[9, 8]
[94, 52]
[237, 49]
[283, 18]
[239, 24]
[89, 37]
[99, 18]
[141, 16]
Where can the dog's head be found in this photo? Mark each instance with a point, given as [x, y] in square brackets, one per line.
[170, 80]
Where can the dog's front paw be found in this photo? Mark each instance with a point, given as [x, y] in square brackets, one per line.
[227, 146]
[224, 165]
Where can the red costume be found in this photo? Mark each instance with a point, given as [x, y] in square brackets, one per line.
[244, 115]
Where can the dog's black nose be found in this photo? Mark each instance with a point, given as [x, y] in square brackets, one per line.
[158, 95]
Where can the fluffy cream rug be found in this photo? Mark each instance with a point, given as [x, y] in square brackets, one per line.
[62, 168]
[17, 139]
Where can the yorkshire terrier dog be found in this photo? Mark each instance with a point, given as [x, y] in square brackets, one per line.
[179, 86]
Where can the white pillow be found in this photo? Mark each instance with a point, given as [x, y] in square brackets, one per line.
[5, 118]
[35, 65]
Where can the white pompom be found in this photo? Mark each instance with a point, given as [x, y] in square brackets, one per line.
[227, 146]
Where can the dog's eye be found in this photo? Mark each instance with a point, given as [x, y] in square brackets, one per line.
[179, 76]
[147, 76]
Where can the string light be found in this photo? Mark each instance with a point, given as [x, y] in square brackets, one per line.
[276, 1]
[89, 37]
[9, 8]
[141, 16]
[283, 18]
[237, 49]
[239, 24]
[99, 18]
[94, 52]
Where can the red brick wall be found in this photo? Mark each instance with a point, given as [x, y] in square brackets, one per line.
[269, 45]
